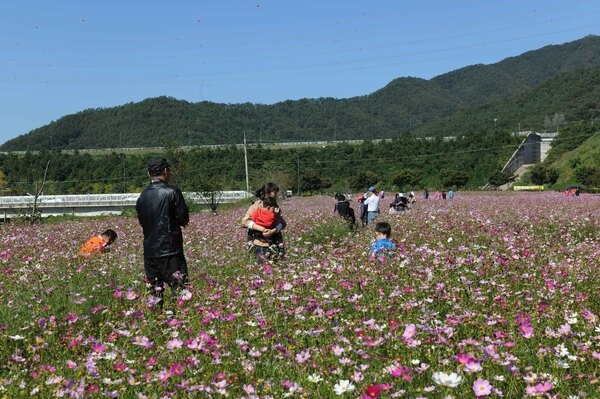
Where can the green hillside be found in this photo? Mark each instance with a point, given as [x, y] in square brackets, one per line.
[580, 166]
[464, 101]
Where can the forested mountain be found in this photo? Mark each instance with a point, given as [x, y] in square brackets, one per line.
[525, 91]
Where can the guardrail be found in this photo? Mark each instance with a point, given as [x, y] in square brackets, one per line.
[92, 204]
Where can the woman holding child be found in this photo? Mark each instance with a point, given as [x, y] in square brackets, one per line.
[264, 232]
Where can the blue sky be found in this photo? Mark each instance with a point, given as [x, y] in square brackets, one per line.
[59, 57]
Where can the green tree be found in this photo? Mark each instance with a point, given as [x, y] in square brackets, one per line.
[311, 181]
[454, 178]
[209, 188]
[363, 180]
[537, 174]
[587, 175]
[3, 183]
[407, 177]
[500, 178]
[552, 175]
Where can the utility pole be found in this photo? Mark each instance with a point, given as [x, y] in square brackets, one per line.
[246, 163]
[122, 161]
[298, 168]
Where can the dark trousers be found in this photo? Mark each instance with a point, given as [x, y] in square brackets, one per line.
[168, 270]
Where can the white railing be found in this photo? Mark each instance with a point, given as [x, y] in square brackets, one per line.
[102, 199]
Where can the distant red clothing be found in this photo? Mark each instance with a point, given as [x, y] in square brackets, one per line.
[264, 217]
[93, 245]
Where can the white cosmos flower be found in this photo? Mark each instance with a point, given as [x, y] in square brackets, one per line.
[185, 295]
[342, 387]
[314, 378]
[561, 350]
[451, 380]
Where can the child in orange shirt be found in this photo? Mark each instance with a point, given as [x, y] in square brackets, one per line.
[98, 244]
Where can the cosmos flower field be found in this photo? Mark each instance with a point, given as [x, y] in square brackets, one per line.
[486, 296]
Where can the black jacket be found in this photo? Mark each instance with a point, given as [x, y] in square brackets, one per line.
[162, 211]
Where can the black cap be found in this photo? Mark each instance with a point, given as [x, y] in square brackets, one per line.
[157, 164]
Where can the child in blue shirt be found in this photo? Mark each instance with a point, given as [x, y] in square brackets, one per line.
[383, 245]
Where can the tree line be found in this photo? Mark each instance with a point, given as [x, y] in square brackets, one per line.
[402, 163]
[406, 163]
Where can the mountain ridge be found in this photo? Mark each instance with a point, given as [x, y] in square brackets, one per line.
[406, 105]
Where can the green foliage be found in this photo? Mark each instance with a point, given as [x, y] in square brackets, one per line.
[313, 182]
[576, 166]
[537, 174]
[588, 176]
[407, 163]
[454, 178]
[407, 178]
[363, 180]
[554, 88]
[500, 178]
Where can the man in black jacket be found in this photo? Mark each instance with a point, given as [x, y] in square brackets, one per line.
[162, 211]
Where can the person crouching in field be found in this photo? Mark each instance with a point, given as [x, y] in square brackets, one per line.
[98, 244]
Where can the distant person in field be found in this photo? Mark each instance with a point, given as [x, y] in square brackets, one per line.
[363, 209]
[400, 203]
[372, 203]
[383, 246]
[343, 208]
[99, 243]
[412, 199]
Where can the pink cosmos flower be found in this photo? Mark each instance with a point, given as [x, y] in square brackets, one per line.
[143, 341]
[401, 371]
[177, 369]
[164, 375]
[75, 342]
[303, 356]
[130, 295]
[543, 387]
[120, 366]
[409, 332]
[71, 364]
[482, 387]
[175, 343]
[464, 358]
[98, 348]
[526, 329]
[473, 367]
